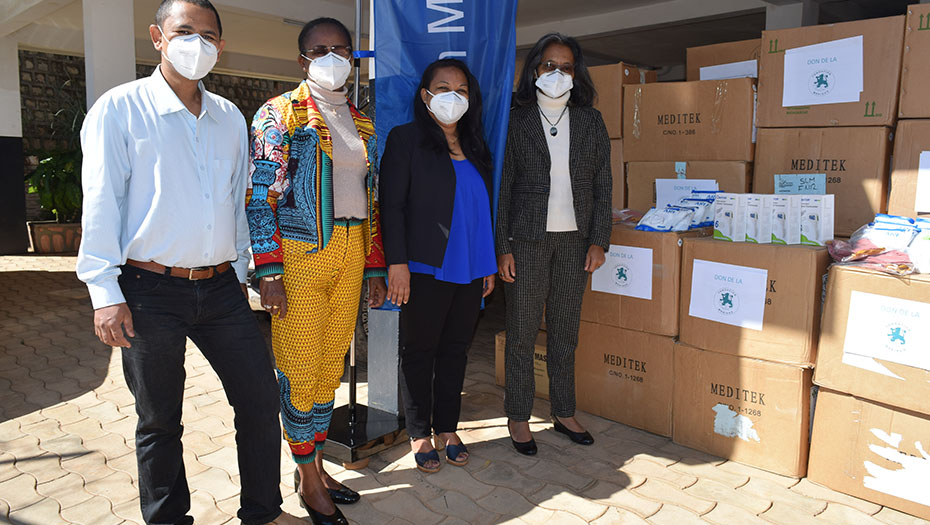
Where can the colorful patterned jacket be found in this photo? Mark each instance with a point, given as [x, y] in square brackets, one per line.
[290, 192]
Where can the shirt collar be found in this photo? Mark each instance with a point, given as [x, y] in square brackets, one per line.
[167, 101]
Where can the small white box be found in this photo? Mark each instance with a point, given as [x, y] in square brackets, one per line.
[758, 219]
[816, 219]
[730, 216]
[786, 219]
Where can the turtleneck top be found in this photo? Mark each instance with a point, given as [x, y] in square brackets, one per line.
[561, 213]
[350, 163]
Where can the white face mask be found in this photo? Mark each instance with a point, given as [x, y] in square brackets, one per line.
[554, 84]
[190, 55]
[448, 107]
[329, 71]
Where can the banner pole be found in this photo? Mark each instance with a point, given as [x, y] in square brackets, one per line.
[358, 46]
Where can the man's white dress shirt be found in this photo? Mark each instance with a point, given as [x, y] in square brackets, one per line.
[161, 184]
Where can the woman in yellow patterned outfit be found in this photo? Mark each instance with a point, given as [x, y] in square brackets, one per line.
[314, 226]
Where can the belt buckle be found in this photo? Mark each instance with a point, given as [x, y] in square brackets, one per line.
[190, 275]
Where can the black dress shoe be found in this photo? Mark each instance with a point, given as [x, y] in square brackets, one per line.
[341, 496]
[318, 518]
[582, 438]
[527, 448]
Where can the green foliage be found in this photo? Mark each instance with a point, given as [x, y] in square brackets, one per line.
[57, 179]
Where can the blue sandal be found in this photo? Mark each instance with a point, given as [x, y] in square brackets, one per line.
[422, 457]
[453, 452]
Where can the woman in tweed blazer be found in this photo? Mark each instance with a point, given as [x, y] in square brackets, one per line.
[553, 227]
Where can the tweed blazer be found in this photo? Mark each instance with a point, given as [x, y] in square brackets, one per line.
[524, 192]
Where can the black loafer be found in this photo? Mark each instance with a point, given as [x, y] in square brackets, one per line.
[527, 448]
[582, 438]
[341, 496]
[318, 518]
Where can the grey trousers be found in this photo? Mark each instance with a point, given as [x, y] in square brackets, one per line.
[551, 273]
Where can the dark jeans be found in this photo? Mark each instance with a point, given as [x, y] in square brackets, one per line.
[215, 315]
[436, 325]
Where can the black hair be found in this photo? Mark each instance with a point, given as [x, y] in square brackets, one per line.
[165, 7]
[583, 92]
[470, 128]
[322, 21]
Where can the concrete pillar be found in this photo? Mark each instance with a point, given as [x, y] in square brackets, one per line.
[109, 46]
[786, 16]
[13, 237]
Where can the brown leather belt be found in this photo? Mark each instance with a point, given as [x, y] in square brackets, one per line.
[193, 274]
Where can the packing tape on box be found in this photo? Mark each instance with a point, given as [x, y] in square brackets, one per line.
[637, 101]
[642, 76]
[720, 98]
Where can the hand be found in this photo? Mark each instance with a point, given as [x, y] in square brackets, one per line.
[377, 292]
[245, 290]
[109, 323]
[507, 268]
[274, 300]
[488, 286]
[594, 259]
[398, 291]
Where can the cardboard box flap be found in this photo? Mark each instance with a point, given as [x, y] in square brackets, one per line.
[912, 139]
[915, 72]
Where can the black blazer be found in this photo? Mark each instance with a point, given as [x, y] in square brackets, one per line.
[523, 203]
[416, 194]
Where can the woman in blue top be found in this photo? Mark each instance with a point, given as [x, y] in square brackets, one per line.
[436, 224]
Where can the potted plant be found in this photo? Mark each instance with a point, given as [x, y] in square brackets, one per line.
[57, 181]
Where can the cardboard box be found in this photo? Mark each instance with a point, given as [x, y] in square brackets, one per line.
[706, 120]
[625, 376]
[731, 176]
[912, 138]
[608, 82]
[862, 351]
[718, 54]
[540, 371]
[883, 41]
[872, 452]
[618, 173]
[915, 72]
[660, 267]
[853, 160]
[748, 410]
[790, 323]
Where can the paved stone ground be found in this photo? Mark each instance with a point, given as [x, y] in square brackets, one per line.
[67, 421]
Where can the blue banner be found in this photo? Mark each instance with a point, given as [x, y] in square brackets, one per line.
[411, 34]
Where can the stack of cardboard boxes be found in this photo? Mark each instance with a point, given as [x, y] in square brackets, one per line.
[910, 197]
[750, 318]
[847, 144]
[872, 419]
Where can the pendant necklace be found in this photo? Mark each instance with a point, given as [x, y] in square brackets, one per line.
[553, 130]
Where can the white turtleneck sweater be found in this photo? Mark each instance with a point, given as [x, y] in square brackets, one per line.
[561, 214]
[350, 165]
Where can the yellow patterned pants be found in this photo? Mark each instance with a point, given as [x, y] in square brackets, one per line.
[311, 342]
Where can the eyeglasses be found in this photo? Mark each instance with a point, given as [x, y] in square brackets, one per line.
[549, 65]
[318, 51]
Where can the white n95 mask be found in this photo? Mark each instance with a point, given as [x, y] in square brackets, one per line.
[554, 84]
[191, 55]
[329, 71]
[448, 107]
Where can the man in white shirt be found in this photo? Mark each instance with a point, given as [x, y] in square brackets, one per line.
[164, 253]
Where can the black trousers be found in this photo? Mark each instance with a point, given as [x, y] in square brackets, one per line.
[437, 327]
[550, 273]
[215, 315]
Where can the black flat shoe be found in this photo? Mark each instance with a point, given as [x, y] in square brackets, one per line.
[318, 518]
[527, 448]
[582, 438]
[341, 496]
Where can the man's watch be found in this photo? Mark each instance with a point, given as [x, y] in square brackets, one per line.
[270, 278]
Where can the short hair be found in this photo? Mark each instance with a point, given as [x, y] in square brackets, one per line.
[165, 7]
[322, 21]
[583, 92]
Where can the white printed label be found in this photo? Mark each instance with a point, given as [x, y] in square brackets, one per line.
[827, 73]
[728, 294]
[907, 482]
[922, 199]
[728, 423]
[888, 328]
[627, 271]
